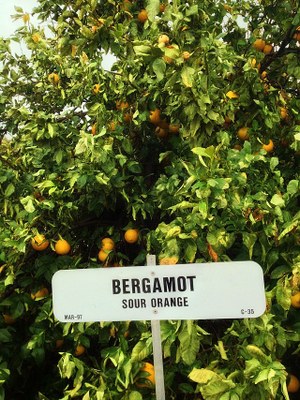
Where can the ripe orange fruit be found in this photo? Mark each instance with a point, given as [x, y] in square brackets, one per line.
[102, 255]
[40, 294]
[8, 319]
[268, 49]
[121, 105]
[62, 247]
[147, 378]
[164, 39]
[53, 78]
[297, 34]
[79, 350]
[143, 16]
[174, 128]
[36, 37]
[259, 44]
[186, 55]
[293, 385]
[269, 147]
[243, 133]
[131, 235]
[94, 129]
[295, 300]
[39, 242]
[161, 132]
[264, 75]
[283, 113]
[96, 88]
[162, 7]
[127, 117]
[155, 116]
[112, 126]
[107, 244]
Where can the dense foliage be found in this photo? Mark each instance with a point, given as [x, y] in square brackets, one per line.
[193, 138]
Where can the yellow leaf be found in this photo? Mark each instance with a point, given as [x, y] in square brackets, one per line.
[232, 95]
[202, 375]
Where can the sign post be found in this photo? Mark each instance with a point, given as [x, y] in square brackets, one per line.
[221, 290]
[157, 349]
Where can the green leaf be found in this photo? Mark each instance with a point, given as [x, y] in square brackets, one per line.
[159, 68]
[9, 190]
[277, 200]
[293, 187]
[59, 156]
[187, 75]
[189, 343]
[190, 250]
[249, 240]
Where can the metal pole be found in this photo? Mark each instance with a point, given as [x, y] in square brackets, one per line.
[157, 349]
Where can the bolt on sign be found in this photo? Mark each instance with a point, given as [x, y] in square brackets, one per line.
[224, 290]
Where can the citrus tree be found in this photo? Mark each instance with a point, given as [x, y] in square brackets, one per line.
[188, 148]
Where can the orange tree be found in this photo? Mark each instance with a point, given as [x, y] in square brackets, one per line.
[192, 139]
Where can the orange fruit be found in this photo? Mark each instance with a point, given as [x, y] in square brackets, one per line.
[112, 126]
[36, 37]
[164, 39]
[94, 129]
[107, 244]
[297, 34]
[155, 116]
[126, 5]
[96, 88]
[40, 294]
[73, 50]
[295, 300]
[162, 7]
[147, 378]
[174, 128]
[59, 343]
[243, 133]
[62, 247]
[161, 132]
[268, 49]
[264, 75]
[121, 105]
[259, 44]
[25, 18]
[131, 235]
[237, 147]
[269, 147]
[283, 113]
[8, 319]
[127, 117]
[102, 255]
[143, 16]
[53, 78]
[186, 55]
[293, 385]
[39, 242]
[227, 8]
[94, 28]
[79, 350]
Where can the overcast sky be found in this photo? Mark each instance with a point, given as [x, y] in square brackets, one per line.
[8, 26]
[7, 7]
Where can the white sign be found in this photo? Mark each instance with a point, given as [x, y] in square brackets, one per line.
[186, 291]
